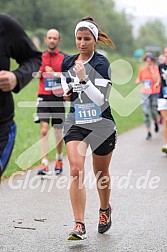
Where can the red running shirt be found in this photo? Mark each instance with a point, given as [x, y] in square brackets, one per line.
[53, 60]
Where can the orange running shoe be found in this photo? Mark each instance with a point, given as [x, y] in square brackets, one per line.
[58, 166]
[43, 169]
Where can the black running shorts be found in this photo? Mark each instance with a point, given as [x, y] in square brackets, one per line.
[101, 143]
[51, 108]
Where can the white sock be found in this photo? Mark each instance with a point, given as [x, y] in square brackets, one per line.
[59, 156]
[45, 161]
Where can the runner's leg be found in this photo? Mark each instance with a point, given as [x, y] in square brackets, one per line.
[77, 188]
[7, 139]
[164, 116]
[101, 167]
[44, 126]
[59, 140]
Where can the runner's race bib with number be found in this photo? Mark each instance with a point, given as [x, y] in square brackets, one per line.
[87, 113]
[53, 84]
[164, 92]
[147, 83]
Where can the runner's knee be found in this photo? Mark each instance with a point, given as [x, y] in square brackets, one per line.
[165, 119]
[101, 174]
[44, 131]
[76, 168]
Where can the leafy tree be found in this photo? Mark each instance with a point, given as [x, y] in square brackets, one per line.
[152, 33]
[64, 14]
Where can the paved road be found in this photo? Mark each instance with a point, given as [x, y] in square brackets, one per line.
[37, 216]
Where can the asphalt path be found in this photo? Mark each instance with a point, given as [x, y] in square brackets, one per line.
[36, 214]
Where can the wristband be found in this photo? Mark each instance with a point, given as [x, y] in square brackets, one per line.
[84, 81]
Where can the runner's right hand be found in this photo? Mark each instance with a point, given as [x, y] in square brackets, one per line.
[67, 96]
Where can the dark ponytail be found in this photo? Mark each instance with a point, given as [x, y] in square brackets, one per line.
[103, 38]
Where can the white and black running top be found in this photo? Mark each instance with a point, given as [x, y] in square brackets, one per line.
[163, 73]
[94, 94]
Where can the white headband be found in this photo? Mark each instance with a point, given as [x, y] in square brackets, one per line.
[90, 26]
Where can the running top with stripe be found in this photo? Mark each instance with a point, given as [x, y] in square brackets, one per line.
[99, 82]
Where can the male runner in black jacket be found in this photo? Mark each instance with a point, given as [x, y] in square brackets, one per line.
[14, 43]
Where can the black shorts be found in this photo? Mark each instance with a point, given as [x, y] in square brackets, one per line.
[51, 107]
[7, 138]
[101, 143]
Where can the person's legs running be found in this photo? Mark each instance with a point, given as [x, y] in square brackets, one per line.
[146, 111]
[164, 116]
[77, 188]
[101, 170]
[102, 155]
[154, 112]
[59, 140]
[44, 129]
[59, 145]
[7, 139]
[58, 118]
[43, 117]
[44, 126]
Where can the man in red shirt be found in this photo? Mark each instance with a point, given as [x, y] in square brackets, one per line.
[149, 77]
[50, 100]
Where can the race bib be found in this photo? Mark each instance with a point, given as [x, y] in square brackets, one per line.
[164, 92]
[52, 84]
[147, 83]
[87, 113]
